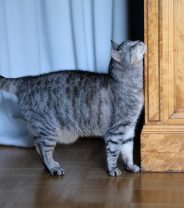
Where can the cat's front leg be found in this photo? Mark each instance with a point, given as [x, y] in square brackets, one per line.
[45, 148]
[127, 155]
[113, 151]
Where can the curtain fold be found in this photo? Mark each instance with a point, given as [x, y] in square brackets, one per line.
[41, 36]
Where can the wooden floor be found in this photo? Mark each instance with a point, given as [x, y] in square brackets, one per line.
[25, 184]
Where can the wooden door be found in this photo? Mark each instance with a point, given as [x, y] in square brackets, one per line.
[162, 138]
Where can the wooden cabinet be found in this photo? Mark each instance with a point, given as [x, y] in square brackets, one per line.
[162, 138]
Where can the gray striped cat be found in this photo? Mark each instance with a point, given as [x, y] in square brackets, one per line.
[61, 106]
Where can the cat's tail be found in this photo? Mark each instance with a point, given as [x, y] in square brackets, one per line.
[9, 84]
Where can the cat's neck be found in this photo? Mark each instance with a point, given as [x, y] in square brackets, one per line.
[123, 76]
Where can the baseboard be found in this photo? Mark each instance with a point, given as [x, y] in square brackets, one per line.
[162, 149]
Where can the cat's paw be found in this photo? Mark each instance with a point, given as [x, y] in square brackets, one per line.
[56, 171]
[133, 168]
[115, 172]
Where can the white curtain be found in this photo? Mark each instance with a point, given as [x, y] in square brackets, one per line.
[38, 36]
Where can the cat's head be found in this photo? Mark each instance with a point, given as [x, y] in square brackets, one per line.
[129, 53]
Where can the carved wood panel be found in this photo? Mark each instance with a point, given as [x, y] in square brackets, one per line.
[162, 138]
[173, 70]
[152, 89]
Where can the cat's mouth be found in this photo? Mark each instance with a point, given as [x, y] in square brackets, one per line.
[141, 47]
[138, 51]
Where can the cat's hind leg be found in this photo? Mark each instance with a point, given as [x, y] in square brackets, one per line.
[45, 147]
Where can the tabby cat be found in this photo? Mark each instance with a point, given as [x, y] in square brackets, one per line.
[61, 106]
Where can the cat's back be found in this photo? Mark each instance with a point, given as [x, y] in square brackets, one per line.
[63, 79]
[69, 88]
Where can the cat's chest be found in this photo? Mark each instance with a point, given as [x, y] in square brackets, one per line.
[129, 98]
[128, 103]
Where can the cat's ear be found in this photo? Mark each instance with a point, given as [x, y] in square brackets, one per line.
[116, 55]
[114, 45]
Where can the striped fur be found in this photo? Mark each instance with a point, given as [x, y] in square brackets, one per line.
[61, 106]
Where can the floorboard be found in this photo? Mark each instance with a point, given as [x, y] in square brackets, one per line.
[24, 183]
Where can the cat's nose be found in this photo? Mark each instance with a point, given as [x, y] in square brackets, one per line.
[139, 41]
